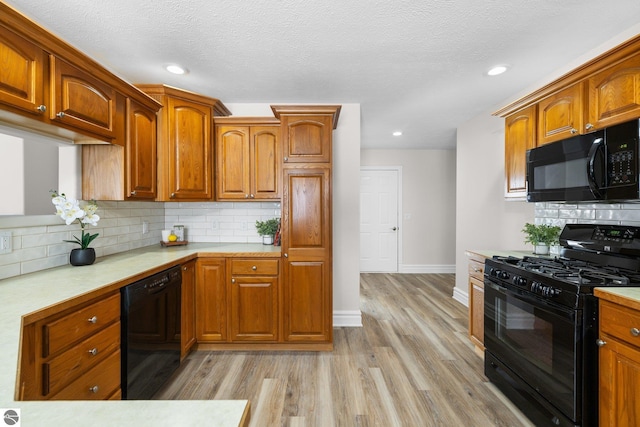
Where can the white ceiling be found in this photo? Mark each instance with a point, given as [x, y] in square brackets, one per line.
[416, 66]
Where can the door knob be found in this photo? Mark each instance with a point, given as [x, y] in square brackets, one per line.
[394, 228]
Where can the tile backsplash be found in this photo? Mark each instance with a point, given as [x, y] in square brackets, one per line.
[120, 227]
[591, 213]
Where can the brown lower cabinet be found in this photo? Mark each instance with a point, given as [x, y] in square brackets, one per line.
[476, 298]
[619, 341]
[74, 353]
[188, 308]
[211, 300]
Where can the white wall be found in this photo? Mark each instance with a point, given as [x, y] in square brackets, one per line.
[428, 206]
[484, 219]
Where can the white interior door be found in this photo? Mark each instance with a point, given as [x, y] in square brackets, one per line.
[379, 232]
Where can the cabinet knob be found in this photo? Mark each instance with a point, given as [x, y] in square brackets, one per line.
[635, 332]
[93, 389]
[41, 108]
[93, 351]
[286, 255]
[172, 196]
[233, 280]
[134, 192]
[93, 320]
[254, 268]
[286, 159]
[252, 196]
[246, 196]
[60, 115]
[600, 342]
[573, 131]
[588, 126]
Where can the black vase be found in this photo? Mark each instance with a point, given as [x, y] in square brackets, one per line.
[82, 256]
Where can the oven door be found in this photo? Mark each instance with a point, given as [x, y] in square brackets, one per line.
[537, 341]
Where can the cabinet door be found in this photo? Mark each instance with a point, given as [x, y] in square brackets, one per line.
[21, 73]
[141, 152]
[476, 311]
[265, 162]
[233, 162]
[619, 382]
[306, 244]
[254, 308]
[190, 150]
[614, 94]
[561, 115]
[80, 100]
[188, 317]
[211, 300]
[307, 138]
[519, 137]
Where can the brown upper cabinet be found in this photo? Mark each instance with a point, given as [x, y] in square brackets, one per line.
[21, 74]
[603, 92]
[80, 100]
[307, 138]
[614, 94]
[185, 143]
[520, 133]
[49, 86]
[248, 158]
[560, 115]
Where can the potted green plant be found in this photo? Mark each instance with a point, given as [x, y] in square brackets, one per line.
[267, 229]
[541, 237]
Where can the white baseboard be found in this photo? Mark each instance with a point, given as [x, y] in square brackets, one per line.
[461, 295]
[352, 319]
[427, 269]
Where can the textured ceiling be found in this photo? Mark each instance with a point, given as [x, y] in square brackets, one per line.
[415, 66]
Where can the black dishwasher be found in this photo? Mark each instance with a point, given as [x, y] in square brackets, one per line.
[150, 333]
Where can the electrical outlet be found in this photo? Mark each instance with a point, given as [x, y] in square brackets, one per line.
[145, 227]
[5, 242]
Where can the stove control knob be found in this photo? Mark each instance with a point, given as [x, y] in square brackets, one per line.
[535, 287]
[503, 274]
[519, 281]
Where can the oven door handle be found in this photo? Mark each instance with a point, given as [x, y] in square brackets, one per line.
[532, 298]
[596, 147]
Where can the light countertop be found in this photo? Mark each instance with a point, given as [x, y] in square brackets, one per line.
[24, 296]
[629, 297]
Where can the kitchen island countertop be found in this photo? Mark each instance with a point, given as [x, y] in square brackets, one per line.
[25, 296]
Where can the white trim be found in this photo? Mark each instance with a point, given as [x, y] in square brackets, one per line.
[428, 269]
[398, 169]
[347, 318]
[461, 295]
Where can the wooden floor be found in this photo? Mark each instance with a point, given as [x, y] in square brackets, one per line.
[411, 364]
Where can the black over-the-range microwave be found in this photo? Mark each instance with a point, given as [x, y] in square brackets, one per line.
[599, 166]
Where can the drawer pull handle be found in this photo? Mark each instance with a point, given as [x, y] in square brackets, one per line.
[93, 351]
[476, 269]
[93, 320]
[254, 268]
[600, 342]
[93, 389]
[635, 332]
[60, 115]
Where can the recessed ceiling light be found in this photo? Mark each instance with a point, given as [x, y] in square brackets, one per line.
[397, 133]
[498, 69]
[176, 69]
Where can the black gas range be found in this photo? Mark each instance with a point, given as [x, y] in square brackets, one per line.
[541, 321]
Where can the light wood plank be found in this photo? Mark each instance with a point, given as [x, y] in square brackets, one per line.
[411, 364]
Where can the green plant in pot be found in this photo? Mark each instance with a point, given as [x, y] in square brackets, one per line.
[267, 229]
[541, 237]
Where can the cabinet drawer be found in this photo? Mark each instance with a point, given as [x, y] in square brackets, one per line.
[620, 322]
[476, 269]
[99, 383]
[248, 267]
[64, 367]
[68, 329]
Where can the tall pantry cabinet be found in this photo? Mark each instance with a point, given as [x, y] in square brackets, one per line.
[306, 222]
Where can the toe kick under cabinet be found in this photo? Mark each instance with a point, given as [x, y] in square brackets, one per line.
[73, 354]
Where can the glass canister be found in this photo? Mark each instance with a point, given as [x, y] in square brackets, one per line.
[178, 230]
